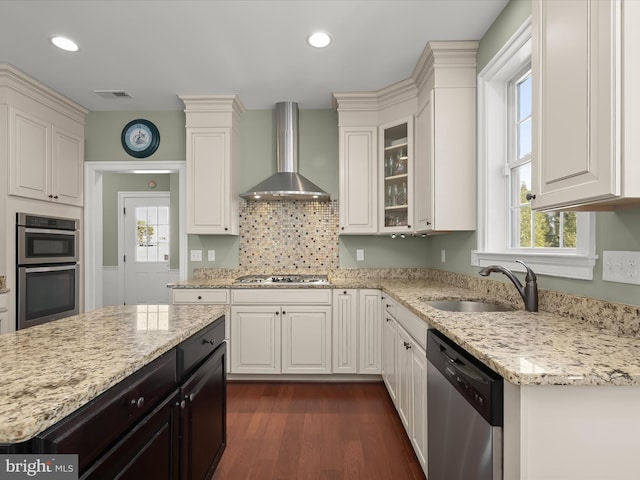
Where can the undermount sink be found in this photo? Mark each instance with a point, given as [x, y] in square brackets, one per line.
[466, 306]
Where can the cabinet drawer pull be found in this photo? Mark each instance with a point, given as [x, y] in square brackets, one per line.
[138, 403]
[407, 345]
[210, 342]
[530, 196]
[388, 305]
[388, 319]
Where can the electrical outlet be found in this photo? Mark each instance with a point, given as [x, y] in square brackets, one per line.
[196, 255]
[211, 255]
[621, 267]
[443, 255]
[360, 254]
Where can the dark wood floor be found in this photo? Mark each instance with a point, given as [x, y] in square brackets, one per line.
[296, 431]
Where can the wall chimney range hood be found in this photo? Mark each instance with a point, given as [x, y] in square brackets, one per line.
[287, 183]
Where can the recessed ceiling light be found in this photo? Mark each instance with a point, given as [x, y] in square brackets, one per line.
[64, 43]
[319, 39]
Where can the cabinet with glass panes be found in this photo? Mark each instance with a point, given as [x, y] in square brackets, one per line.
[397, 158]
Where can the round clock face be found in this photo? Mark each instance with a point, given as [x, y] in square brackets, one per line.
[140, 138]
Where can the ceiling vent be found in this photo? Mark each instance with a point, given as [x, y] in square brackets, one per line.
[111, 94]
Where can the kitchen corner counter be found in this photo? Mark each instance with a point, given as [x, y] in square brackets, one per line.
[49, 371]
[541, 348]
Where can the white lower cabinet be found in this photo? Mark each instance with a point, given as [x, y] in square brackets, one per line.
[404, 371]
[369, 332]
[306, 339]
[276, 331]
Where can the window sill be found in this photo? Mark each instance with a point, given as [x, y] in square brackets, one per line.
[579, 267]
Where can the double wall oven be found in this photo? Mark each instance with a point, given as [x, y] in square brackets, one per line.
[48, 275]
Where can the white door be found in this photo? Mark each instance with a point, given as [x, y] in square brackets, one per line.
[145, 249]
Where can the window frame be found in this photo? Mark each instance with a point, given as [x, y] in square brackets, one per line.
[493, 232]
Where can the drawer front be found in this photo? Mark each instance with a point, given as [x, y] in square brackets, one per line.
[281, 296]
[414, 325]
[200, 295]
[94, 427]
[389, 305]
[196, 348]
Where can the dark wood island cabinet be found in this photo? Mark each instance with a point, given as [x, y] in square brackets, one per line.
[166, 421]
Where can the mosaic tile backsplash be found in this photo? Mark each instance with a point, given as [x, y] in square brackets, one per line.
[286, 236]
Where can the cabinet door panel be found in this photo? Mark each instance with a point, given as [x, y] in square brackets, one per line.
[66, 168]
[207, 153]
[370, 332]
[345, 331]
[204, 433]
[389, 375]
[419, 404]
[30, 156]
[255, 340]
[574, 97]
[306, 339]
[358, 180]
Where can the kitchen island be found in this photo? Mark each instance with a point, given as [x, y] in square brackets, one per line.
[572, 370]
[83, 363]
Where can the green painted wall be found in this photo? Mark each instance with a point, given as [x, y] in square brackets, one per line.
[103, 131]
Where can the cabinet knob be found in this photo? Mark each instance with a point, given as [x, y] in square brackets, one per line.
[199, 297]
[138, 403]
[409, 226]
[530, 196]
[55, 197]
[407, 345]
[50, 196]
[341, 228]
[210, 342]
[388, 319]
[344, 293]
[284, 313]
[388, 305]
[428, 223]
[278, 313]
[190, 397]
[183, 404]
[225, 229]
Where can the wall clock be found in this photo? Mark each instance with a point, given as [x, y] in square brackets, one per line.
[140, 138]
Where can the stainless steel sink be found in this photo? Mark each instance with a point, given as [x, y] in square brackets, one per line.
[466, 306]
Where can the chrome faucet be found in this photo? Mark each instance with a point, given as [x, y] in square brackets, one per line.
[529, 292]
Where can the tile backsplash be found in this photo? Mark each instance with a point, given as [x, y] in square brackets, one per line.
[289, 235]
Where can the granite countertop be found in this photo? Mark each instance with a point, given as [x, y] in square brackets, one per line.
[541, 348]
[49, 371]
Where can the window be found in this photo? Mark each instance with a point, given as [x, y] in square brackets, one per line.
[152, 234]
[557, 243]
[530, 229]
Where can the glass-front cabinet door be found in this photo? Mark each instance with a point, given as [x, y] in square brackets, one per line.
[397, 172]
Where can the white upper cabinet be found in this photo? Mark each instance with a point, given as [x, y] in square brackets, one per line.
[396, 186]
[585, 73]
[426, 176]
[358, 159]
[375, 128]
[45, 133]
[212, 160]
[445, 151]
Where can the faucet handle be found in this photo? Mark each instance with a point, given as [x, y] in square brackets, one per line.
[531, 276]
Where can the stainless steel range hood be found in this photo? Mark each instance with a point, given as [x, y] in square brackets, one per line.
[287, 183]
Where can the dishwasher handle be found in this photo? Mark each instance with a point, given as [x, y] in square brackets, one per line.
[460, 367]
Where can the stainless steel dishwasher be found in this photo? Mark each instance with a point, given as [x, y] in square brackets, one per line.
[464, 413]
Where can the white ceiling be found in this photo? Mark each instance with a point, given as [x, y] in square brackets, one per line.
[156, 49]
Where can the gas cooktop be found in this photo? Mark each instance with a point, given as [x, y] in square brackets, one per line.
[284, 279]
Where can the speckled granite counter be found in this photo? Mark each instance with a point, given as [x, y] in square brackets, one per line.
[3, 284]
[49, 371]
[583, 342]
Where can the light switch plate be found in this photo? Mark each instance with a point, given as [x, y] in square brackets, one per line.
[360, 254]
[196, 255]
[621, 267]
[211, 255]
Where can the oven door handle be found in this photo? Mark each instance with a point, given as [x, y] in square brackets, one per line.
[56, 268]
[49, 230]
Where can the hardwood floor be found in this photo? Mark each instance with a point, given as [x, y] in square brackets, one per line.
[314, 431]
